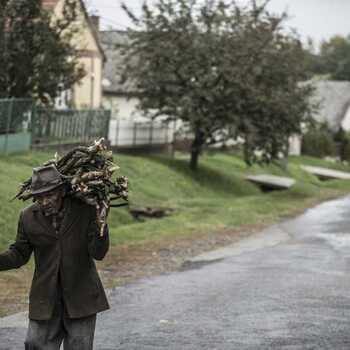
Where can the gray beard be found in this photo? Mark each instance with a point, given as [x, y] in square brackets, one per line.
[50, 212]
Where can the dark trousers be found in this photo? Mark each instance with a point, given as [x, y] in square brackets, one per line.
[76, 334]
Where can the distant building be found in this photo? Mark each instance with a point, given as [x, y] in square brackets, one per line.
[128, 127]
[118, 94]
[333, 100]
[88, 92]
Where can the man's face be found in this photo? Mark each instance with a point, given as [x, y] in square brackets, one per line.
[51, 202]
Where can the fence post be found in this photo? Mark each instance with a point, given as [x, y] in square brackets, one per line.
[167, 133]
[31, 121]
[88, 126]
[108, 124]
[8, 123]
[59, 120]
[134, 134]
[151, 133]
[173, 148]
[117, 133]
[48, 128]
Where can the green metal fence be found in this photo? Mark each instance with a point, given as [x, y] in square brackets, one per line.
[15, 118]
[62, 127]
[23, 126]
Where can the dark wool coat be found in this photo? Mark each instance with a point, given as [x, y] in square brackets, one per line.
[67, 255]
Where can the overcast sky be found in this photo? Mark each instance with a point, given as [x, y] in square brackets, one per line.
[318, 19]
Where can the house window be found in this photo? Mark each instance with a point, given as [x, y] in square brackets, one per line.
[64, 99]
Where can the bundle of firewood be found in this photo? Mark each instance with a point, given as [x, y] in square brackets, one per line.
[88, 172]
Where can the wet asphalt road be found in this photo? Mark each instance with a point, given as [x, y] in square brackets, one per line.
[286, 288]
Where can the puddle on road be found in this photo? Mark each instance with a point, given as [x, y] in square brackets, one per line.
[332, 222]
[336, 240]
[330, 212]
[329, 222]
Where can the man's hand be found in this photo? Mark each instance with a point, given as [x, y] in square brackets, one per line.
[102, 210]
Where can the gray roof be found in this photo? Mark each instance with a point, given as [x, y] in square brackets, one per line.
[333, 98]
[112, 79]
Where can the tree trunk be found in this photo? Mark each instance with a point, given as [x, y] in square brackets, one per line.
[286, 153]
[194, 160]
[247, 150]
[196, 149]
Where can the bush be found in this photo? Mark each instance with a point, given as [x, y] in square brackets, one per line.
[319, 142]
[345, 151]
[343, 140]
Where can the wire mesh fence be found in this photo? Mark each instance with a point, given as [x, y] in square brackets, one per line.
[15, 120]
[24, 126]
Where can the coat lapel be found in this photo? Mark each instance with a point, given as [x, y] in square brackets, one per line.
[43, 221]
[71, 215]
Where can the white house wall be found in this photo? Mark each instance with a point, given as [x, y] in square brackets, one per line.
[122, 107]
[295, 145]
[346, 121]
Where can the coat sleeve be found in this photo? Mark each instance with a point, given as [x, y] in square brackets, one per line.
[98, 246]
[19, 252]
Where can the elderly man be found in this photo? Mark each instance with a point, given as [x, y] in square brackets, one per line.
[66, 292]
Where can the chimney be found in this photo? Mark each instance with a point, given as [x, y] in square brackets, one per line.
[95, 20]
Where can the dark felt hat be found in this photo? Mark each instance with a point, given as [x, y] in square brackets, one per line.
[45, 178]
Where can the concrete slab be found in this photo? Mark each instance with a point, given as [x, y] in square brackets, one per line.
[272, 181]
[325, 173]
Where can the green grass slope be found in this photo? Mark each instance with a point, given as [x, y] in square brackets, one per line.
[216, 197]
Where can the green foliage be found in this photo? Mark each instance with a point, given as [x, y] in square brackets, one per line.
[333, 60]
[319, 142]
[342, 139]
[335, 55]
[312, 60]
[224, 69]
[276, 104]
[37, 59]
